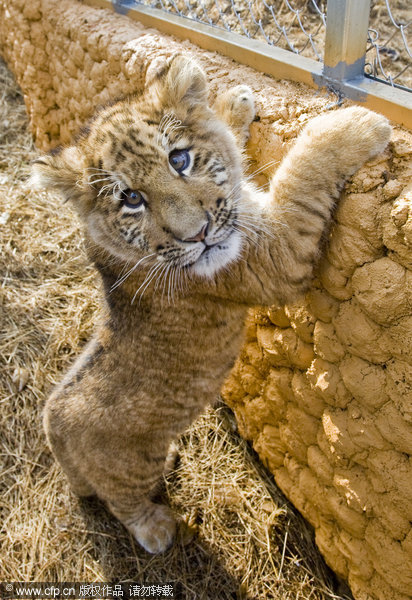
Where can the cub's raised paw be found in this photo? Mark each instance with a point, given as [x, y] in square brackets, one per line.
[237, 108]
[352, 135]
[370, 130]
[240, 102]
[155, 529]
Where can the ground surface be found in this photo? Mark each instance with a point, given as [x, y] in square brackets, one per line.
[244, 541]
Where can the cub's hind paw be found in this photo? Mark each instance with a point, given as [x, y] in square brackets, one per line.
[155, 529]
[171, 458]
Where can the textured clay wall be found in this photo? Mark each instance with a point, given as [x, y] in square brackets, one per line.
[322, 388]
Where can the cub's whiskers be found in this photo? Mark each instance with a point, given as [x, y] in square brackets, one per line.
[123, 278]
[151, 275]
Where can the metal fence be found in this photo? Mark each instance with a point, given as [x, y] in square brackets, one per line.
[356, 48]
[388, 54]
[300, 26]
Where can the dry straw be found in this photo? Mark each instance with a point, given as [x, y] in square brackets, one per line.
[241, 539]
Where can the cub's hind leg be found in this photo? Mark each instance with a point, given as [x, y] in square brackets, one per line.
[129, 492]
[121, 471]
[237, 108]
[152, 525]
[55, 433]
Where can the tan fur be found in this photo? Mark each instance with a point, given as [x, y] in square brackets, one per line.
[171, 329]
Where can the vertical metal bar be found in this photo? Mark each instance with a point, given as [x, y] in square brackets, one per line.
[346, 36]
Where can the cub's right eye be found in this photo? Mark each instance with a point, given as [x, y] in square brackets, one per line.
[132, 199]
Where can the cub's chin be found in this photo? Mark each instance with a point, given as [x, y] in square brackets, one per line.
[219, 256]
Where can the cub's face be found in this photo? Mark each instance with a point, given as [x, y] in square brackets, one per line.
[157, 178]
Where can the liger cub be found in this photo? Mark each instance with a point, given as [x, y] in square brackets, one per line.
[185, 244]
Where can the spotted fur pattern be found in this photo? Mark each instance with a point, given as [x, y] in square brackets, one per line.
[184, 244]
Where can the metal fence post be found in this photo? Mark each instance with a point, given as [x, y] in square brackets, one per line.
[347, 24]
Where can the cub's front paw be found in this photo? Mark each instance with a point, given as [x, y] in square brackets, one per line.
[350, 135]
[370, 130]
[155, 529]
[239, 101]
[237, 108]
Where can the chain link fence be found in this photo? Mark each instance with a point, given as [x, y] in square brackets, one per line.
[300, 26]
[388, 55]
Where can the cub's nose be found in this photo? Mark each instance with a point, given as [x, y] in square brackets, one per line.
[199, 237]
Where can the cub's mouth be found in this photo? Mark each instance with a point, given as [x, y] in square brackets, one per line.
[211, 258]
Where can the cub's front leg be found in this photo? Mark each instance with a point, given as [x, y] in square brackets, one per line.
[292, 217]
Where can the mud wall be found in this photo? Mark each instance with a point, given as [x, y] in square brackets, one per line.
[322, 388]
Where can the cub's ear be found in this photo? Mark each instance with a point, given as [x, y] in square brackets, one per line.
[60, 170]
[179, 81]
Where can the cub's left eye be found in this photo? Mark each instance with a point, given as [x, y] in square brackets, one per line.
[132, 198]
[179, 160]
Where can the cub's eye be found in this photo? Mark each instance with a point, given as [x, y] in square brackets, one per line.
[179, 160]
[132, 198]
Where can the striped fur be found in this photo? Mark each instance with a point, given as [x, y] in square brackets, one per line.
[180, 267]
